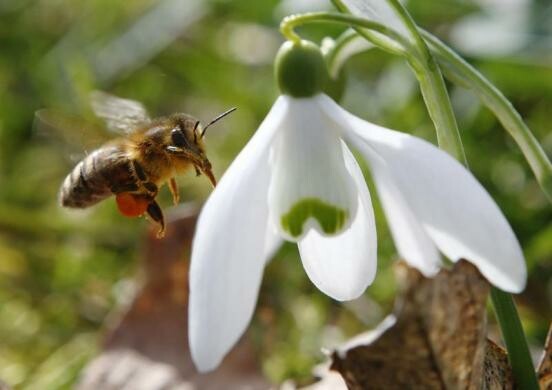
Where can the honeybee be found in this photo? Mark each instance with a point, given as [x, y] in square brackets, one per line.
[150, 153]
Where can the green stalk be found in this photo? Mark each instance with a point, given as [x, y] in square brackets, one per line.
[514, 338]
[434, 91]
[289, 23]
[439, 107]
[459, 70]
[413, 29]
[430, 79]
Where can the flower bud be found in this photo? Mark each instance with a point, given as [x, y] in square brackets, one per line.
[300, 69]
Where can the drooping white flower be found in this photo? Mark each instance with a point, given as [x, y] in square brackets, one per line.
[297, 180]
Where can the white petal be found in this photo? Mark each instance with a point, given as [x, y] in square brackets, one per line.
[273, 240]
[310, 186]
[343, 266]
[452, 206]
[411, 240]
[230, 249]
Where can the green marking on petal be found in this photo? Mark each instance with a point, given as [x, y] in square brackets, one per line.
[330, 218]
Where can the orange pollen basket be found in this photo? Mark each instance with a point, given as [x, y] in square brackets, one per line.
[131, 205]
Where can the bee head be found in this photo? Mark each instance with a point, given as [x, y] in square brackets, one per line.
[185, 134]
[188, 132]
[183, 138]
[186, 141]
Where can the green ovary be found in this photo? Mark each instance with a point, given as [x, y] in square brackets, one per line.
[330, 218]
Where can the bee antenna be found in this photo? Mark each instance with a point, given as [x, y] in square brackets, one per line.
[217, 119]
[195, 132]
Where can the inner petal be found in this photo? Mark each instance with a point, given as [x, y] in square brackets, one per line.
[310, 187]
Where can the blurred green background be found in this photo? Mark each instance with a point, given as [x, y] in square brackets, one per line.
[61, 272]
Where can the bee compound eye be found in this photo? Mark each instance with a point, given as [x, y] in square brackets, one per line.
[178, 137]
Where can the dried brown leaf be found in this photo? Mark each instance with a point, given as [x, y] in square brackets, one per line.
[496, 369]
[147, 348]
[399, 357]
[327, 379]
[435, 340]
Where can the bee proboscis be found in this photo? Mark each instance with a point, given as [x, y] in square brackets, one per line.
[133, 167]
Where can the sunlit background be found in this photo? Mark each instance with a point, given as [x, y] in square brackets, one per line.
[62, 272]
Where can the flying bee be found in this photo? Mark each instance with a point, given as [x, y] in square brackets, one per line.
[133, 167]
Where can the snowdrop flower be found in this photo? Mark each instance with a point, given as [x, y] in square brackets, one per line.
[297, 180]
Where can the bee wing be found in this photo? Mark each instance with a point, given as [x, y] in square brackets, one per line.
[121, 115]
[72, 134]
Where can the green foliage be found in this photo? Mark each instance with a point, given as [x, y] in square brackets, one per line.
[61, 271]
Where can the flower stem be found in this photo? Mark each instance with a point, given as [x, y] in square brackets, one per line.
[289, 23]
[459, 70]
[514, 338]
[429, 77]
[433, 90]
[439, 107]
[413, 29]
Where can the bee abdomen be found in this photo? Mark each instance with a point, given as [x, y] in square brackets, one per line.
[85, 185]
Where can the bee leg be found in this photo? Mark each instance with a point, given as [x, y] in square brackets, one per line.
[198, 172]
[151, 189]
[173, 187]
[138, 171]
[156, 214]
[143, 180]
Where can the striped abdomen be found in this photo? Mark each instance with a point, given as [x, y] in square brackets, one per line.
[97, 177]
